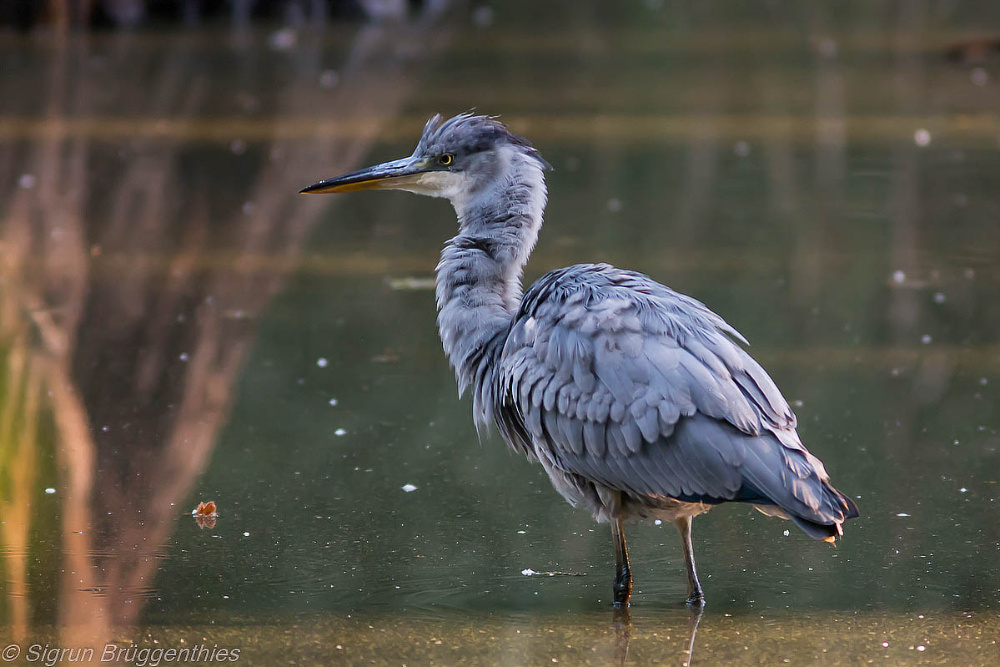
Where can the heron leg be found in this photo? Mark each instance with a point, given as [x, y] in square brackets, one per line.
[623, 575]
[696, 597]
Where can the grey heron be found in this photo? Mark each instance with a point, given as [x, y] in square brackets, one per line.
[638, 401]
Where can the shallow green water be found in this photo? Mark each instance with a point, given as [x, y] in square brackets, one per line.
[179, 326]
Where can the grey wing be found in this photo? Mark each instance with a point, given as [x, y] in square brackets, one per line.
[631, 385]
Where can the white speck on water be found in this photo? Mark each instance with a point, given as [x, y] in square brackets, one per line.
[409, 488]
[926, 339]
[50, 490]
[482, 16]
[921, 648]
[658, 522]
[329, 78]
[885, 644]
[340, 432]
[183, 357]
[979, 76]
[614, 204]
[921, 137]
[27, 181]
[284, 39]
[785, 533]
[322, 362]
[741, 148]
[521, 532]
[528, 572]
[246, 533]
[333, 401]
[827, 47]
[939, 297]
[963, 490]
[237, 147]
[983, 381]
[225, 597]
[902, 514]
[898, 277]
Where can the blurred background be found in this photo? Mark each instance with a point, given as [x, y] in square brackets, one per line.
[177, 325]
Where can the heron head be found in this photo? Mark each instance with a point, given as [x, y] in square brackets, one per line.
[455, 159]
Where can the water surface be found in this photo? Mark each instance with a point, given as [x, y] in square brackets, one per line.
[179, 326]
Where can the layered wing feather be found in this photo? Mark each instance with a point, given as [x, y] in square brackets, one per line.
[644, 390]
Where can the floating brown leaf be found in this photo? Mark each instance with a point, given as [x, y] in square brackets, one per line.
[205, 514]
[205, 509]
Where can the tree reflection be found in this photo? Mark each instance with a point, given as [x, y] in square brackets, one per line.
[130, 293]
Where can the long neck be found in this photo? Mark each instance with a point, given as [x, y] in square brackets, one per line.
[479, 275]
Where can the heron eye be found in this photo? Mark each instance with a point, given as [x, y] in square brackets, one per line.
[446, 159]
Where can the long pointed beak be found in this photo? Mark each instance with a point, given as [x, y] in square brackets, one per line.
[388, 175]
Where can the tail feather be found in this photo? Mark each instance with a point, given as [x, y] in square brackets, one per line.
[809, 501]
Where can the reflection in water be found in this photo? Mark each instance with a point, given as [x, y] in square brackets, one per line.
[622, 624]
[121, 347]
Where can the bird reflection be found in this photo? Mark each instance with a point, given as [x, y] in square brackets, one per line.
[621, 621]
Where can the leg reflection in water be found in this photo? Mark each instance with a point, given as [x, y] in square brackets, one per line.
[622, 624]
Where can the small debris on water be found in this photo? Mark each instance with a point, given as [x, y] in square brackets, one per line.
[205, 509]
[339, 432]
[411, 283]
[322, 362]
[926, 339]
[528, 572]
[50, 490]
[408, 488]
[333, 401]
[205, 514]
[922, 137]
[785, 533]
[658, 522]
[387, 357]
[902, 514]
[26, 181]
[741, 148]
